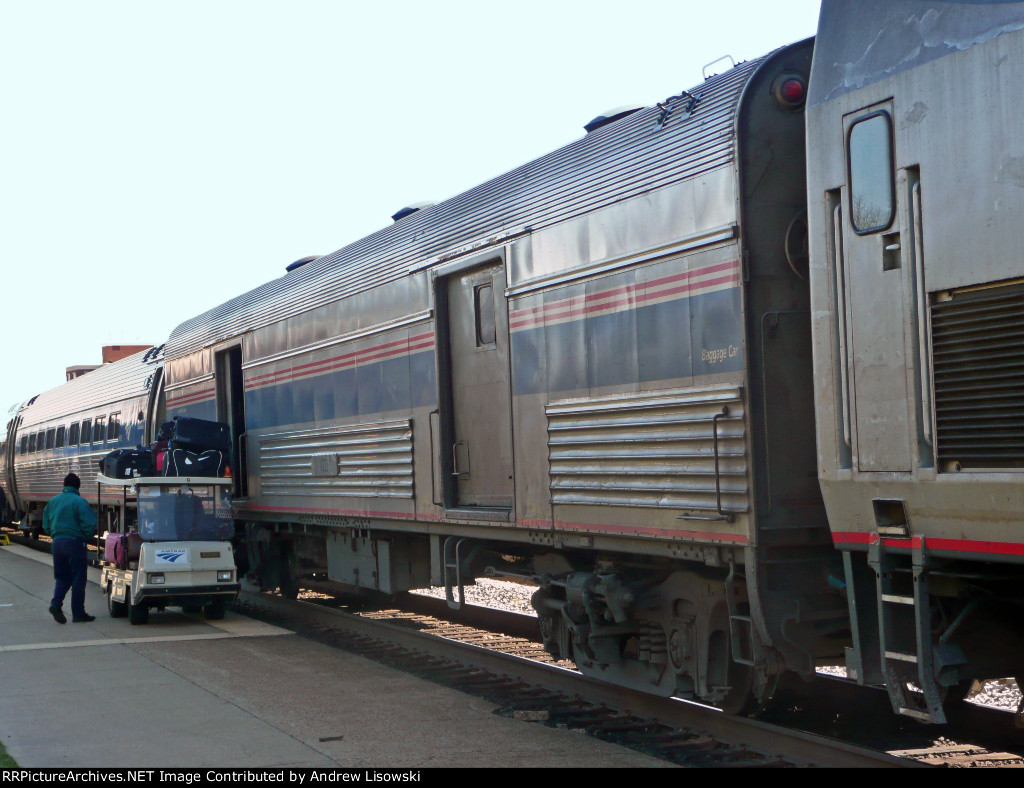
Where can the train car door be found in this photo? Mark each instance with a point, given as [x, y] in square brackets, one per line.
[480, 423]
[876, 292]
[231, 410]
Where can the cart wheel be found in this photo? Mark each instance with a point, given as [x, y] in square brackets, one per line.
[115, 608]
[214, 611]
[137, 614]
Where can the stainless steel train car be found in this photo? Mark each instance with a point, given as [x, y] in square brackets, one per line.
[593, 371]
[71, 427]
[916, 192]
[735, 379]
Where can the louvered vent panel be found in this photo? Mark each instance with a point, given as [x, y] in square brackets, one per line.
[654, 450]
[362, 460]
[978, 353]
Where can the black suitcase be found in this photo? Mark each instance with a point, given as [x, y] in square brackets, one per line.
[127, 463]
[198, 435]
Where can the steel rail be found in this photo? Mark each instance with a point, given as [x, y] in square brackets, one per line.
[798, 747]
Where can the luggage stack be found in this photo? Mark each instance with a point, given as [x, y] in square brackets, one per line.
[121, 549]
[183, 447]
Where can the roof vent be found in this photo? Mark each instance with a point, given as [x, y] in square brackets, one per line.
[302, 262]
[612, 115]
[409, 210]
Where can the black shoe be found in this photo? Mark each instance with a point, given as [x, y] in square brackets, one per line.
[83, 619]
[58, 615]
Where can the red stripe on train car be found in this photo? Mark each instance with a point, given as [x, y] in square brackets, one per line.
[564, 311]
[632, 530]
[344, 512]
[312, 368]
[190, 398]
[933, 543]
[520, 314]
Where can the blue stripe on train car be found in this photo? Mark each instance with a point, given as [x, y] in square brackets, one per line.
[399, 384]
[687, 337]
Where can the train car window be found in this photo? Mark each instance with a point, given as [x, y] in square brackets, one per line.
[485, 333]
[24, 444]
[51, 435]
[73, 435]
[97, 429]
[32, 443]
[113, 426]
[86, 431]
[872, 174]
[59, 441]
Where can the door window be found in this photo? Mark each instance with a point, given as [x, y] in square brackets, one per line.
[485, 331]
[872, 176]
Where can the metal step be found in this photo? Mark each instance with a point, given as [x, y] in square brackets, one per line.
[906, 662]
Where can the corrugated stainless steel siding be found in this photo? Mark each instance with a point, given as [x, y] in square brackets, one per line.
[362, 460]
[116, 382]
[654, 450]
[41, 479]
[978, 353]
[620, 161]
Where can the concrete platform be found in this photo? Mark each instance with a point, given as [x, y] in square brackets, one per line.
[184, 692]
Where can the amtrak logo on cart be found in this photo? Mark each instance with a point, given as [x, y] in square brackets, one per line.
[172, 556]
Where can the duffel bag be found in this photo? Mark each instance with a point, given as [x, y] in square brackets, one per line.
[182, 462]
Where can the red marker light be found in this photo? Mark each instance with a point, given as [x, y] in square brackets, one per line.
[790, 91]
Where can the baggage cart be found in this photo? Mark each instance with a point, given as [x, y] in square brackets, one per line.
[174, 549]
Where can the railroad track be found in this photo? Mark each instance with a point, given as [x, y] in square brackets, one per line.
[471, 660]
[497, 655]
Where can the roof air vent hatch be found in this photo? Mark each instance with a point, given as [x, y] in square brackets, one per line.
[409, 210]
[302, 262]
[612, 115]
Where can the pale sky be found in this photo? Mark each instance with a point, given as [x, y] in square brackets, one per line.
[162, 158]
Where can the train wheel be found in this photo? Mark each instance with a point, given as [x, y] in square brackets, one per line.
[137, 614]
[115, 608]
[723, 671]
[289, 587]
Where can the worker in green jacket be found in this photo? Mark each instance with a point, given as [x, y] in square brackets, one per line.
[70, 521]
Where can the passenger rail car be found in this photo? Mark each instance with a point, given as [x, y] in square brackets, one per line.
[72, 427]
[594, 370]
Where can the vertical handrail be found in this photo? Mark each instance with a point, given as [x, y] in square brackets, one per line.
[718, 477]
[844, 370]
[242, 483]
[455, 458]
[922, 314]
[435, 459]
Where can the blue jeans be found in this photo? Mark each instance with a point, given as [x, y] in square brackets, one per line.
[70, 561]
